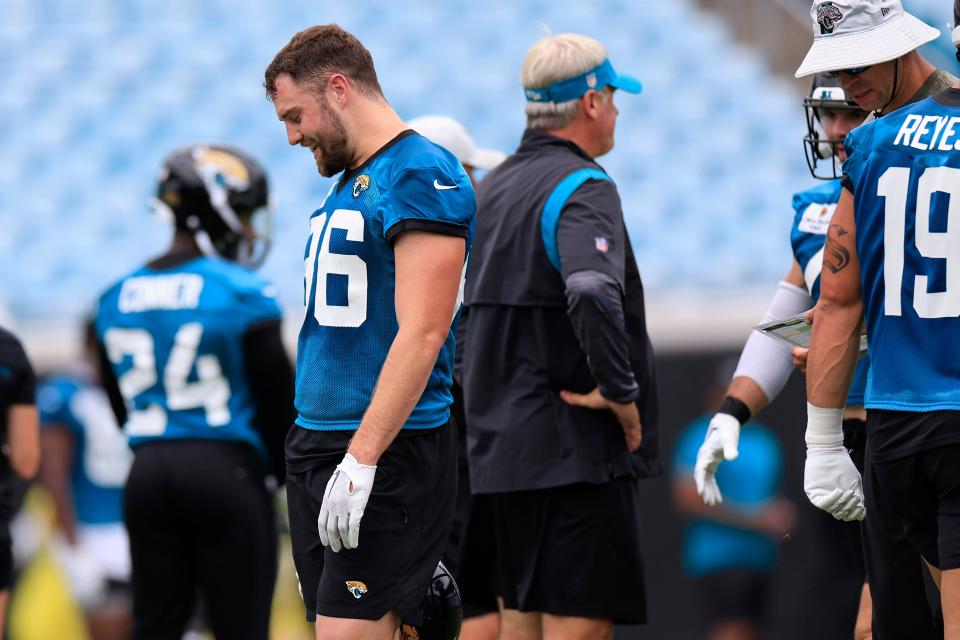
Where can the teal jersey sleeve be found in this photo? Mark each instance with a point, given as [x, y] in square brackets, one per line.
[857, 145]
[258, 302]
[433, 194]
[53, 403]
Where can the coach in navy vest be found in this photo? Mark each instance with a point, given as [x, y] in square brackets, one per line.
[558, 371]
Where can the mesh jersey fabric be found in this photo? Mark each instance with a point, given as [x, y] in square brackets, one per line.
[101, 458]
[350, 320]
[904, 196]
[175, 340]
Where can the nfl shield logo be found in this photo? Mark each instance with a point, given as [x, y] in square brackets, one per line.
[601, 243]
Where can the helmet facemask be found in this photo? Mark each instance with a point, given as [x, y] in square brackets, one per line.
[825, 95]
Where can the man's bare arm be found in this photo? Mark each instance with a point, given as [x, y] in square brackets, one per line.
[428, 268]
[57, 446]
[23, 440]
[835, 343]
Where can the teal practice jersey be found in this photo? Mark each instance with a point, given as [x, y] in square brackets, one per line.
[101, 458]
[813, 211]
[174, 337]
[350, 320]
[904, 171]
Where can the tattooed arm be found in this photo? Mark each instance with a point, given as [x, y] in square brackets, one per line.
[836, 332]
[836, 253]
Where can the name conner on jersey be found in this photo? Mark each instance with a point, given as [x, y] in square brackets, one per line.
[147, 293]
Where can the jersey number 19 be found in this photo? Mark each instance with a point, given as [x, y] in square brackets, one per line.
[893, 186]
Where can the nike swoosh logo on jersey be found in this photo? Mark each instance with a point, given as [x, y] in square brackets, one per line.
[443, 187]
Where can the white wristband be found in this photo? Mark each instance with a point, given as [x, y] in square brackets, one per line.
[824, 426]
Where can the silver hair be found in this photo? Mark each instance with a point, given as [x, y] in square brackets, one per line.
[550, 60]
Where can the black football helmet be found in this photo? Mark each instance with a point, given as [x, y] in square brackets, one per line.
[442, 610]
[219, 194]
[825, 93]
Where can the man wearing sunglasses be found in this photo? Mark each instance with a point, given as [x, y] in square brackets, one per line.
[873, 44]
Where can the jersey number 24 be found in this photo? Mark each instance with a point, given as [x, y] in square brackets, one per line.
[210, 391]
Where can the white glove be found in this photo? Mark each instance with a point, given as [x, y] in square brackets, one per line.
[830, 479]
[86, 579]
[719, 444]
[344, 500]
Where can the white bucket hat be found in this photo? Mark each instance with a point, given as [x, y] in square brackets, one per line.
[860, 33]
[453, 136]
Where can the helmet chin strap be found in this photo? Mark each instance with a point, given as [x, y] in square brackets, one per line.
[896, 77]
[206, 246]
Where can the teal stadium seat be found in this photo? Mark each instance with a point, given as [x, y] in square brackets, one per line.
[100, 91]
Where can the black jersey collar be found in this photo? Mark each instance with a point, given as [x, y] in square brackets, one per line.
[350, 174]
[173, 259]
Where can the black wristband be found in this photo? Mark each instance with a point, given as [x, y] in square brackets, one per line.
[735, 408]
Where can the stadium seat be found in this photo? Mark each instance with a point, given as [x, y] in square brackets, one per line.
[104, 90]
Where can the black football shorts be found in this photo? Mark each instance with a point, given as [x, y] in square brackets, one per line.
[404, 528]
[913, 510]
[572, 551]
[918, 495]
[734, 594]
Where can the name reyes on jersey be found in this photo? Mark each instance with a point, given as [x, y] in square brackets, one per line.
[929, 133]
[148, 293]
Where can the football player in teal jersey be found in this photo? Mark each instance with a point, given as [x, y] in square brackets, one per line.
[84, 465]
[198, 377]
[765, 365]
[384, 264]
[887, 265]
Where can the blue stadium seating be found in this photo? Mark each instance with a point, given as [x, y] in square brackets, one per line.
[98, 92]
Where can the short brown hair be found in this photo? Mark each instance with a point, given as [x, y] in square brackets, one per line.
[316, 53]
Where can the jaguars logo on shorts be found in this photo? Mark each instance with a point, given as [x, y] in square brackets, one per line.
[357, 588]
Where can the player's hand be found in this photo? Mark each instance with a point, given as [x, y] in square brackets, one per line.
[720, 443]
[627, 413]
[800, 353]
[832, 482]
[800, 358]
[86, 578]
[344, 500]
[778, 517]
